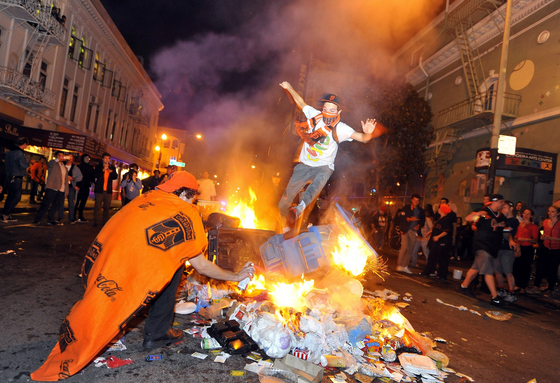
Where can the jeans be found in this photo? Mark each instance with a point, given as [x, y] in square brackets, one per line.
[407, 246]
[34, 190]
[51, 202]
[72, 194]
[162, 310]
[302, 174]
[547, 266]
[104, 199]
[523, 266]
[14, 194]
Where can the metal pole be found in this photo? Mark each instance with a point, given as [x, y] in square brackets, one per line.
[499, 102]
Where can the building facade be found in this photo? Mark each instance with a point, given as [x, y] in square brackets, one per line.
[454, 63]
[65, 68]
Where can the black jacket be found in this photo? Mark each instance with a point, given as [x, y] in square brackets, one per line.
[99, 179]
[406, 212]
[88, 174]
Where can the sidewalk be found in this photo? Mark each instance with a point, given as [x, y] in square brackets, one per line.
[453, 284]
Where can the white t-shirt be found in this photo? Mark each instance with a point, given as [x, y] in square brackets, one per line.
[323, 153]
[206, 189]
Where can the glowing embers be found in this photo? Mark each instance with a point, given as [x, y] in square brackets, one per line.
[244, 211]
[352, 254]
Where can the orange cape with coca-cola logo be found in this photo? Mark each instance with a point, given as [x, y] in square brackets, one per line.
[132, 259]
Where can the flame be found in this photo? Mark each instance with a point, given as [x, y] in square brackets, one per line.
[256, 284]
[352, 254]
[244, 211]
[291, 295]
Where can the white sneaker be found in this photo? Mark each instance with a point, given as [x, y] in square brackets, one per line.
[400, 268]
[407, 270]
[510, 298]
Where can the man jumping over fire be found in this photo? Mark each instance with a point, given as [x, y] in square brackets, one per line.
[321, 134]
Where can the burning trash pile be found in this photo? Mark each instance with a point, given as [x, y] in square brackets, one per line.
[308, 325]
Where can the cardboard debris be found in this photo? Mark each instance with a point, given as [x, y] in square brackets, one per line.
[498, 315]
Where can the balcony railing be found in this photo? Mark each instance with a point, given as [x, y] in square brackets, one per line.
[478, 111]
[35, 11]
[14, 83]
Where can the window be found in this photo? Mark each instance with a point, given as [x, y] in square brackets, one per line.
[122, 94]
[74, 104]
[88, 115]
[175, 144]
[107, 78]
[43, 74]
[123, 127]
[28, 64]
[96, 120]
[85, 56]
[125, 136]
[64, 97]
[72, 44]
[98, 69]
[108, 124]
[116, 88]
[166, 144]
[114, 128]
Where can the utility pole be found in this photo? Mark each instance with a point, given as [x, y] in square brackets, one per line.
[499, 102]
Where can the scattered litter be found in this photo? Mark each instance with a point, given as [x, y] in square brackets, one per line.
[414, 364]
[440, 340]
[463, 376]
[532, 381]
[497, 315]
[209, 344]
[402, 305]
[265, 373]
[475, 312]
[237, 373]
[462, 308]
[463, 339]
[222, 358]
[119, 346]
[114, 362]
[151, 358]
[7, 252]
[385, 294]
[199, 355]
[448, 370]
[407, 299]
[363, 378]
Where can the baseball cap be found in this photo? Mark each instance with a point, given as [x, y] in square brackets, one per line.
[178, 180]
[332, 98]
[171, 167]
[383, 208]
[446, 209]
[508, 202]
[496, 197]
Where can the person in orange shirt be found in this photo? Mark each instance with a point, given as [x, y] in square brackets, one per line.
[37, 173]
[122, 278]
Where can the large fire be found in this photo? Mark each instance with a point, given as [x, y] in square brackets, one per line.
[244, 211]
[352, 254]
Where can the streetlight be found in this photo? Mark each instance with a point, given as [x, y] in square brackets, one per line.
[158, 149]
[199, 136]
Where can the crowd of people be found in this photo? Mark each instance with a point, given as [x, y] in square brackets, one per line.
[501, 239]
[63, 178]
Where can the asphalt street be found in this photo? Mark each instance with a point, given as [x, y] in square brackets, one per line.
[39, 284]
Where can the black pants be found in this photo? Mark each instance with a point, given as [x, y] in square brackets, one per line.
[161, 313]
[34, 191]
[14, 185]
[83, 195]
[522, 266]
[547, 266]
[438, 255]
[51, 202]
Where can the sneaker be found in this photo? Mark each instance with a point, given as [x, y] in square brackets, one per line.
[54, 223]
[497, 301]
[466, 291]
[9, 218]
[174, 335]
[406, 270]
[502, 293]
[73, 222]
[510, 298]
[4, 218]
[82, 220]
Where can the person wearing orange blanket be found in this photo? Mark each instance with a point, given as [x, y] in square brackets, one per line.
[123, 277]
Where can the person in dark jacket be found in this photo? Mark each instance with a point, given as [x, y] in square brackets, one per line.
[410, 219]
[151, 182]
[16, 169]
[380, 222]
[88, 178]
[105, 173]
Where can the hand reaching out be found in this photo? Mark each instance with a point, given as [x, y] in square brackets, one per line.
[369, 126]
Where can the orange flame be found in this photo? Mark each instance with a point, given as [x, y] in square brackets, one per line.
[244, 211]
[291, 295]
[352, 254]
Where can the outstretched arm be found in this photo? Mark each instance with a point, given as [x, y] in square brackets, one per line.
[368, 128]
[295, 95]
[211, 270]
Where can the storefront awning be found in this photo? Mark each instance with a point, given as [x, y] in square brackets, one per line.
[524, 163]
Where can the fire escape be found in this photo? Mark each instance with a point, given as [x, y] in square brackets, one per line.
[43, 29]
[479, 107]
